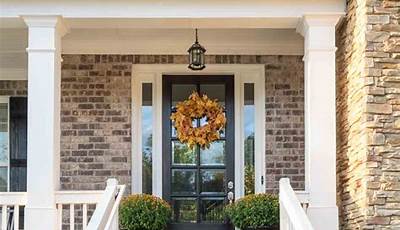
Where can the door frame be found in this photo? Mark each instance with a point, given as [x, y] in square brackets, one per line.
[243, 73]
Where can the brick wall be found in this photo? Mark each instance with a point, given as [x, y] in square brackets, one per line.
[285, 121]
[95, 121]
[96, 114]
[13, 88]
[369, 115]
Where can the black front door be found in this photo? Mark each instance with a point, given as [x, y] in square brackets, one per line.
[196, 182]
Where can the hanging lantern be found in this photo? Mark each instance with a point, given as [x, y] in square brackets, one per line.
[196, 56]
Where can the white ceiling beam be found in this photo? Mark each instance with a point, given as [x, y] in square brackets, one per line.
[169, 8]
[169, 13]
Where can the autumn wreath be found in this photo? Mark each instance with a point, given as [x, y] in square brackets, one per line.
[196, 107]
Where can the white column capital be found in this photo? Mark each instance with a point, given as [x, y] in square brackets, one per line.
[50, 21]
[318, 31]
[319, 20]
[45, 32]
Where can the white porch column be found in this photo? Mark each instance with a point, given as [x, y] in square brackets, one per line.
[44, 78]
[320, 118]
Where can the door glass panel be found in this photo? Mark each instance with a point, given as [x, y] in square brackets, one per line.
[3, 148]
[147, 137]
[214, 91]
[18, 138]
[184, 210]
[212, 210]
[212, 180]
[18, 179]
[18, 125]
[3, 179]
[182, 154]
[215, 155]
[249, 121]
[3, 112]
[3, 134]
[181, 92]
[183, 181]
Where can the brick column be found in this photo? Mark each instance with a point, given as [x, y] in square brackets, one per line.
[320, 118]
[44, 78]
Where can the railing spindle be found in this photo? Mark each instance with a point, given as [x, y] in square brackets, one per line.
[71, 216]
[4, 217]
[16, 217]
[59, 215]
[84, 216]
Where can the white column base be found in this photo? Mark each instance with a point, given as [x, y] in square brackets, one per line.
[41, 218]
[326, 218]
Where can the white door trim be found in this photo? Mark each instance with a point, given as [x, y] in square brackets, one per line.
[243, 73]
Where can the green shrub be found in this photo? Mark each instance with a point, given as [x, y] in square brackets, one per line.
[254, 211]
[144, 212]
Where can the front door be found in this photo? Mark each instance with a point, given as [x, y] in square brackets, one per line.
[196, 182]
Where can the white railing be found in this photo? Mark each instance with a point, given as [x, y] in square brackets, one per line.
[113, 220]
[11, 203]
[104, 202]
[69, 201]
[292, 212]
[106, 214]
[75, 204]
[303, 198]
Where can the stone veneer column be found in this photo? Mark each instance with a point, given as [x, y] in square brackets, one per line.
[44, 81]
[320, 118]
[368, 100]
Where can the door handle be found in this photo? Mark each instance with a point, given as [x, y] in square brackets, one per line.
[231, 197]
[230, 185]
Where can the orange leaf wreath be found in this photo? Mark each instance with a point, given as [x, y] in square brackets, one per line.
[196, 107]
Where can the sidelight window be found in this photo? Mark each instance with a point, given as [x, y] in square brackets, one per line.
[4, 144]
[147, 137]
[249, 131]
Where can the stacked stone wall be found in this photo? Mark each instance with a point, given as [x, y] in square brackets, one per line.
[368, 67]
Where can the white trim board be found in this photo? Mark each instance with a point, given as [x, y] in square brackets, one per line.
[13, 74]
[177, 41]
[243, 73]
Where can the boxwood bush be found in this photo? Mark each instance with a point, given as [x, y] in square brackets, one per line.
[144, 212]
[254, 211]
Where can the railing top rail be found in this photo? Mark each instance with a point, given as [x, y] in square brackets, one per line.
[291, 204]
[13, 198]
[79, 197]
[303, 196]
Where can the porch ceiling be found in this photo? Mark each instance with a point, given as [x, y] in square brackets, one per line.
[161, 26]
[13, 42]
